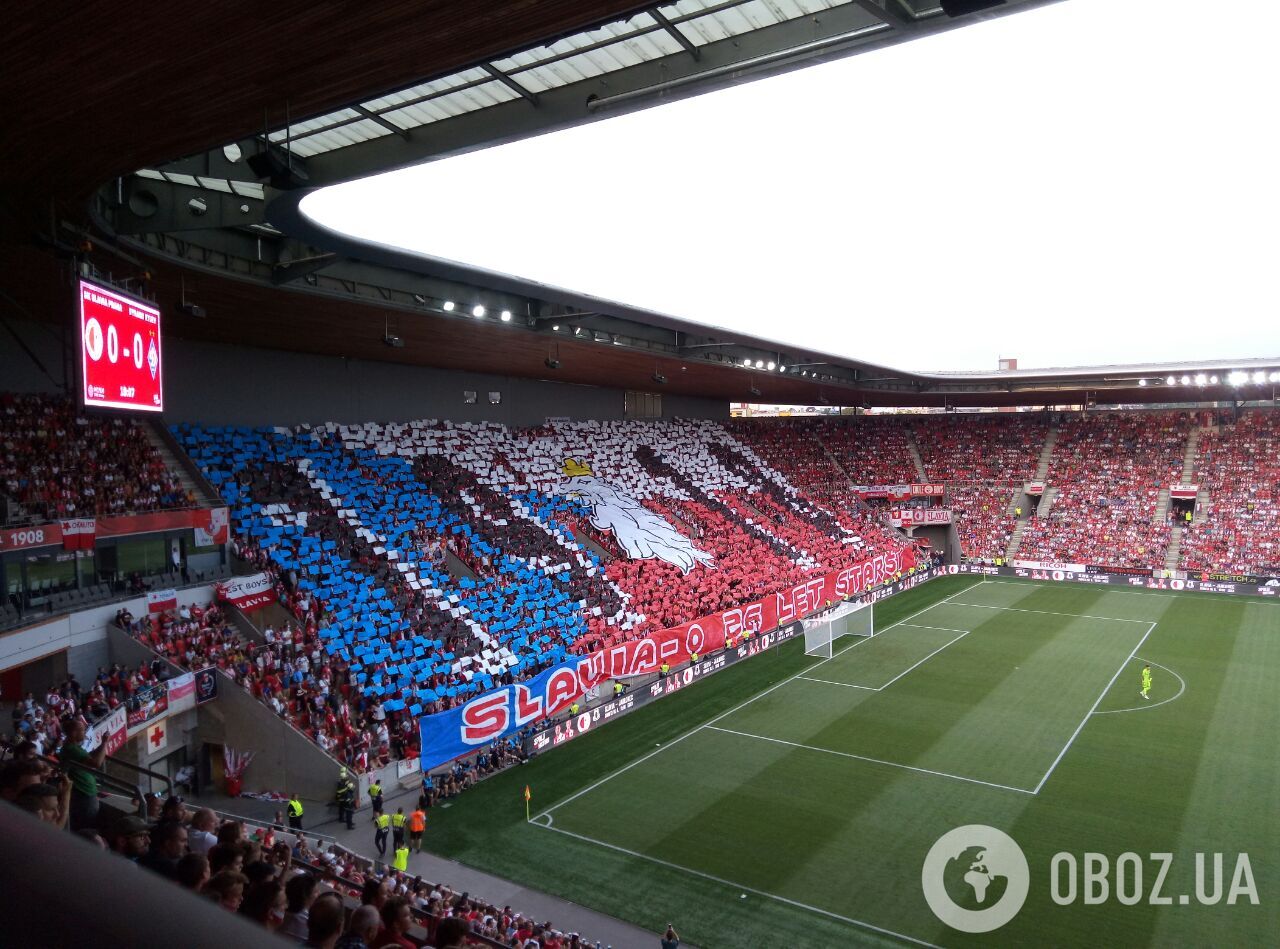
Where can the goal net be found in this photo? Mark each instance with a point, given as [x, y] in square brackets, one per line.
[847, 619]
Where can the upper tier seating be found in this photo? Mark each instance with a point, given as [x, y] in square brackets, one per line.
[980, 447]
[58, 463]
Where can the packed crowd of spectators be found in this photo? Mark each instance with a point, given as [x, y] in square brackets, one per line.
[1238, 463]
[983, 521]
[980, 446]
[56, 462]
[1108, 471]
[872, 449]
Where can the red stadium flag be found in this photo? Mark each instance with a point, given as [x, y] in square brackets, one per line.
[79, 533]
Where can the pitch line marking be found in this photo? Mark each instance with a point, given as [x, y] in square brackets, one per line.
[1017, 609]
[1182, 687]
[941, 629]
[891, 764]
[963, 634]
[743, 887]
[847, 685]
[1254, 598]
[758, 695]
[1096, 703]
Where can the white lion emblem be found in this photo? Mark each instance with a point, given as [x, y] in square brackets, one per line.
[643, 534]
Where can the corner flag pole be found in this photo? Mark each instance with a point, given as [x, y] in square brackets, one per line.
[527, 795]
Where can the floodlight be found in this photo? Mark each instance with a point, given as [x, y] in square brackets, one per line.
[1186, 380]
[1259, 377]
[1213, 380]
[1201, 378]
[1170, 381]
[1238, 378]
[1275, 377]
[448, 306]
[478, 311]
[759, 363]
[1142, 382]
[769, 365]
[506, 316]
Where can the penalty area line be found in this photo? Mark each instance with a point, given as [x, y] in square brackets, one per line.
[861, 924]
[1089, 714]
[741, 705]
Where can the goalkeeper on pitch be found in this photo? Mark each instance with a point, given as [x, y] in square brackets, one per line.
[1146, 682]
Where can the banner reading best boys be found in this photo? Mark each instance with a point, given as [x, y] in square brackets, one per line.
[502, 712]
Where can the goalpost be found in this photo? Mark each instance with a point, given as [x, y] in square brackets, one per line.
[847, 619]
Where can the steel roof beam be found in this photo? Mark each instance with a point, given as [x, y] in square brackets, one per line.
[674, 32]
[510, 83]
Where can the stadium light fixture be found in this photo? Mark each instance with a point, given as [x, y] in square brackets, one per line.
[770, 364]
[759, 363]
[1170, 381]
[1259, 377]
[1142, 382]
[1275, 377]
[448, 306]
[781, 368]
[478, 311]
[1186, 380]
[506, 316]
[1238, 378]
[1213, 380]
[1201, 378]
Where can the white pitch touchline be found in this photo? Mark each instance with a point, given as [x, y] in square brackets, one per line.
[1096, 703]
[758, 695]
[1182, 687]
[1017, 609]
[743, 887]
[891, 764]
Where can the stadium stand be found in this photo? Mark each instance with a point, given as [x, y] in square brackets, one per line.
[58, 462]
[1239, 530]
[980, 447]
[352, 522]
[1109, 471]
[983, 522]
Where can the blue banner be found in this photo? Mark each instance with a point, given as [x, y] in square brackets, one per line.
[500, 713]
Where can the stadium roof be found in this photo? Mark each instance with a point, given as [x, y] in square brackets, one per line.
[227, 213]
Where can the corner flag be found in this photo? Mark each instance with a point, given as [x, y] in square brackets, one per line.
[527, 796]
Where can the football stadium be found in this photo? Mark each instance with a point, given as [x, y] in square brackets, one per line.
[563, 475]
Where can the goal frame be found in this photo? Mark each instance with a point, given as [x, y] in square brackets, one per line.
[821, 631]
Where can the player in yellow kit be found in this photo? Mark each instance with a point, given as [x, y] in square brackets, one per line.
[1146, 682]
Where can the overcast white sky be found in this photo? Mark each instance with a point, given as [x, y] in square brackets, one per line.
[1091, 182]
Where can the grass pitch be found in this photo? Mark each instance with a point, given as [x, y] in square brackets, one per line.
[790, 801]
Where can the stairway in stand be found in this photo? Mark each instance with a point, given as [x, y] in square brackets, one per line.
[916, 458]
[1174, 550]
[168, 450]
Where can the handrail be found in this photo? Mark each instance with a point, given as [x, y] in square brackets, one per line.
[261, 822]
[110, 782]
[187, 463]
[156, 775]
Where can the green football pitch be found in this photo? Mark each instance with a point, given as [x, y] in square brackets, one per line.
[791, 801]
